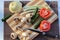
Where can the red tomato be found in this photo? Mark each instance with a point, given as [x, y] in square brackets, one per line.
[44, 13]
[45, 26]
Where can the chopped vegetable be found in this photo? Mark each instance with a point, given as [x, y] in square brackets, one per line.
[28, 16]
[45, 13]
[24, 34]
[34, 19]
[30, 8]
[16, 19]
[13, 35]
[5, 18]
[36, 11]
[45, 26]
[37, 23]
[23, 20]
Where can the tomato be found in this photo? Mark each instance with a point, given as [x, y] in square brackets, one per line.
[45, 26]
[44, 13]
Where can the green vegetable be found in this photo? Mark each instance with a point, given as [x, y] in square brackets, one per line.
[37, 23]
[30, 8]
[27, 8]
[34, 19]
[5, 18]
[35, 13]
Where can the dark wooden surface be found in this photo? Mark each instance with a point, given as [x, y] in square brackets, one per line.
[54, 28]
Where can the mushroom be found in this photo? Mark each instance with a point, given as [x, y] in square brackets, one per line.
[23, 19]
[28, 16]
[16, 19]
[18, 27]
[24, 34]
[28, 21]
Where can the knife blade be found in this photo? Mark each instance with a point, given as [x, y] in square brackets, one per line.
[43, 33]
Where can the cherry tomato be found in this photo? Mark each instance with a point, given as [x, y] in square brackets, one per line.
[45, 26]
[44, 13]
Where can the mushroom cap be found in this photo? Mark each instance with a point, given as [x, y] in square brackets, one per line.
[23, 19]
[28, 16]
[24, 34]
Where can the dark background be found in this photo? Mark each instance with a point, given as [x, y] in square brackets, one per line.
[54, 28]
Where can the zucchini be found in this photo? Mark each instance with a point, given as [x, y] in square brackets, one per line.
[35, 13]
[33, 20]
[37, 23]
[35, 16]
[30, 8]
[5, 18]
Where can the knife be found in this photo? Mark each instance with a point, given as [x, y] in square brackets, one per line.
[43, 33]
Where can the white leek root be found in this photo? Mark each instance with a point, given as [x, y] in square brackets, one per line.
[13, 35]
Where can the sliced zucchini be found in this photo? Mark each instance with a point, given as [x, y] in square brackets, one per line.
[37, 23]
[34, 19]
[30, 8]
